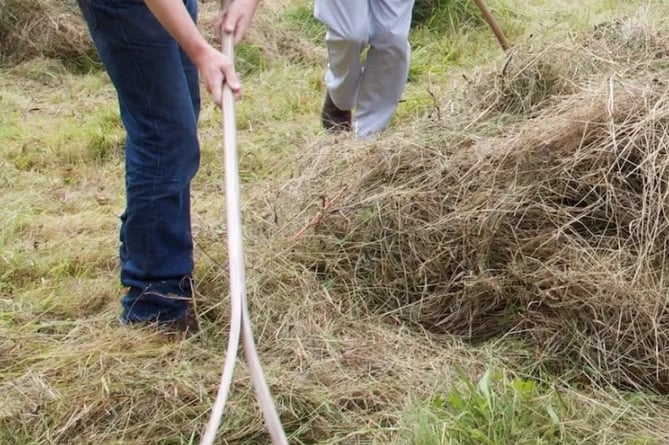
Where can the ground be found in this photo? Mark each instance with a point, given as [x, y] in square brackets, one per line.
[340, 372]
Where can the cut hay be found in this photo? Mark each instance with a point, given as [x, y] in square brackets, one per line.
[55, 29]
[553, 230]
[48, 28]
[536, 72]
[275, 35]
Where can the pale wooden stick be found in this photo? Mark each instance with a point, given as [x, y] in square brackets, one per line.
[240, 320]
[490, 20]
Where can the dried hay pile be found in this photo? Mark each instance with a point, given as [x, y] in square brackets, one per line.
[278, 34]
[47, 28]
[55, 29]
[551, 226]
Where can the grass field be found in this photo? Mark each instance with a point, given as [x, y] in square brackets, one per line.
[342, 372]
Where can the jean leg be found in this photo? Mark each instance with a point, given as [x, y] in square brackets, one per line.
[159, 110]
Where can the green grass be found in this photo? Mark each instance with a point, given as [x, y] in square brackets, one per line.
[494, 410]
[300, 20]
[502, 408]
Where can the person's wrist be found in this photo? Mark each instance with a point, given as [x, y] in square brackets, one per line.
[200, 53]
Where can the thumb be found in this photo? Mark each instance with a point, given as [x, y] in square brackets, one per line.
[230, 22]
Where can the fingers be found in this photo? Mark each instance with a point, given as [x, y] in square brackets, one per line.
[216, 91]
[232, 80]
[233, 21]
[230, 21]
[223, 74]
[236, 20]
[227, 23]
[218, 23]
[241, 28]
[238, 94]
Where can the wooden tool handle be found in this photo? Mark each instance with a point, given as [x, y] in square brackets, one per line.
[490, 20]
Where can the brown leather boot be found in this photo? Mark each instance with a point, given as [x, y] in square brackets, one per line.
[334, 119]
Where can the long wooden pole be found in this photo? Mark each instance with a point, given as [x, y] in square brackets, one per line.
[240, 322]
[490, 20]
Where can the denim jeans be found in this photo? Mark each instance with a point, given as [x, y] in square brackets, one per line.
[158, 93]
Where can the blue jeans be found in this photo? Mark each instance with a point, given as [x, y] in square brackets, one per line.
[158, 93]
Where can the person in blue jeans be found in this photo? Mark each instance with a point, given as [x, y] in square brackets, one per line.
[154, 54]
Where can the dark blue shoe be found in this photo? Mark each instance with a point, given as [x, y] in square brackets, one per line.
[187, 324]
[155, 305]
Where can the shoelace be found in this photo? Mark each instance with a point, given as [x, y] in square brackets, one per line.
[240, 321]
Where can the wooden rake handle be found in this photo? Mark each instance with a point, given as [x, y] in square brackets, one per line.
[490, 20]
[240, 321]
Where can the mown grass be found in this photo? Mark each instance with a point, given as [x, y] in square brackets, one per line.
[69, 374]
[503, 408]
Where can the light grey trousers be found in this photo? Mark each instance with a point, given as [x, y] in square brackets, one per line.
[371, 88]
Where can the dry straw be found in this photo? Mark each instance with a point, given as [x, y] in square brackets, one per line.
[552, 228]
[51, 28]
